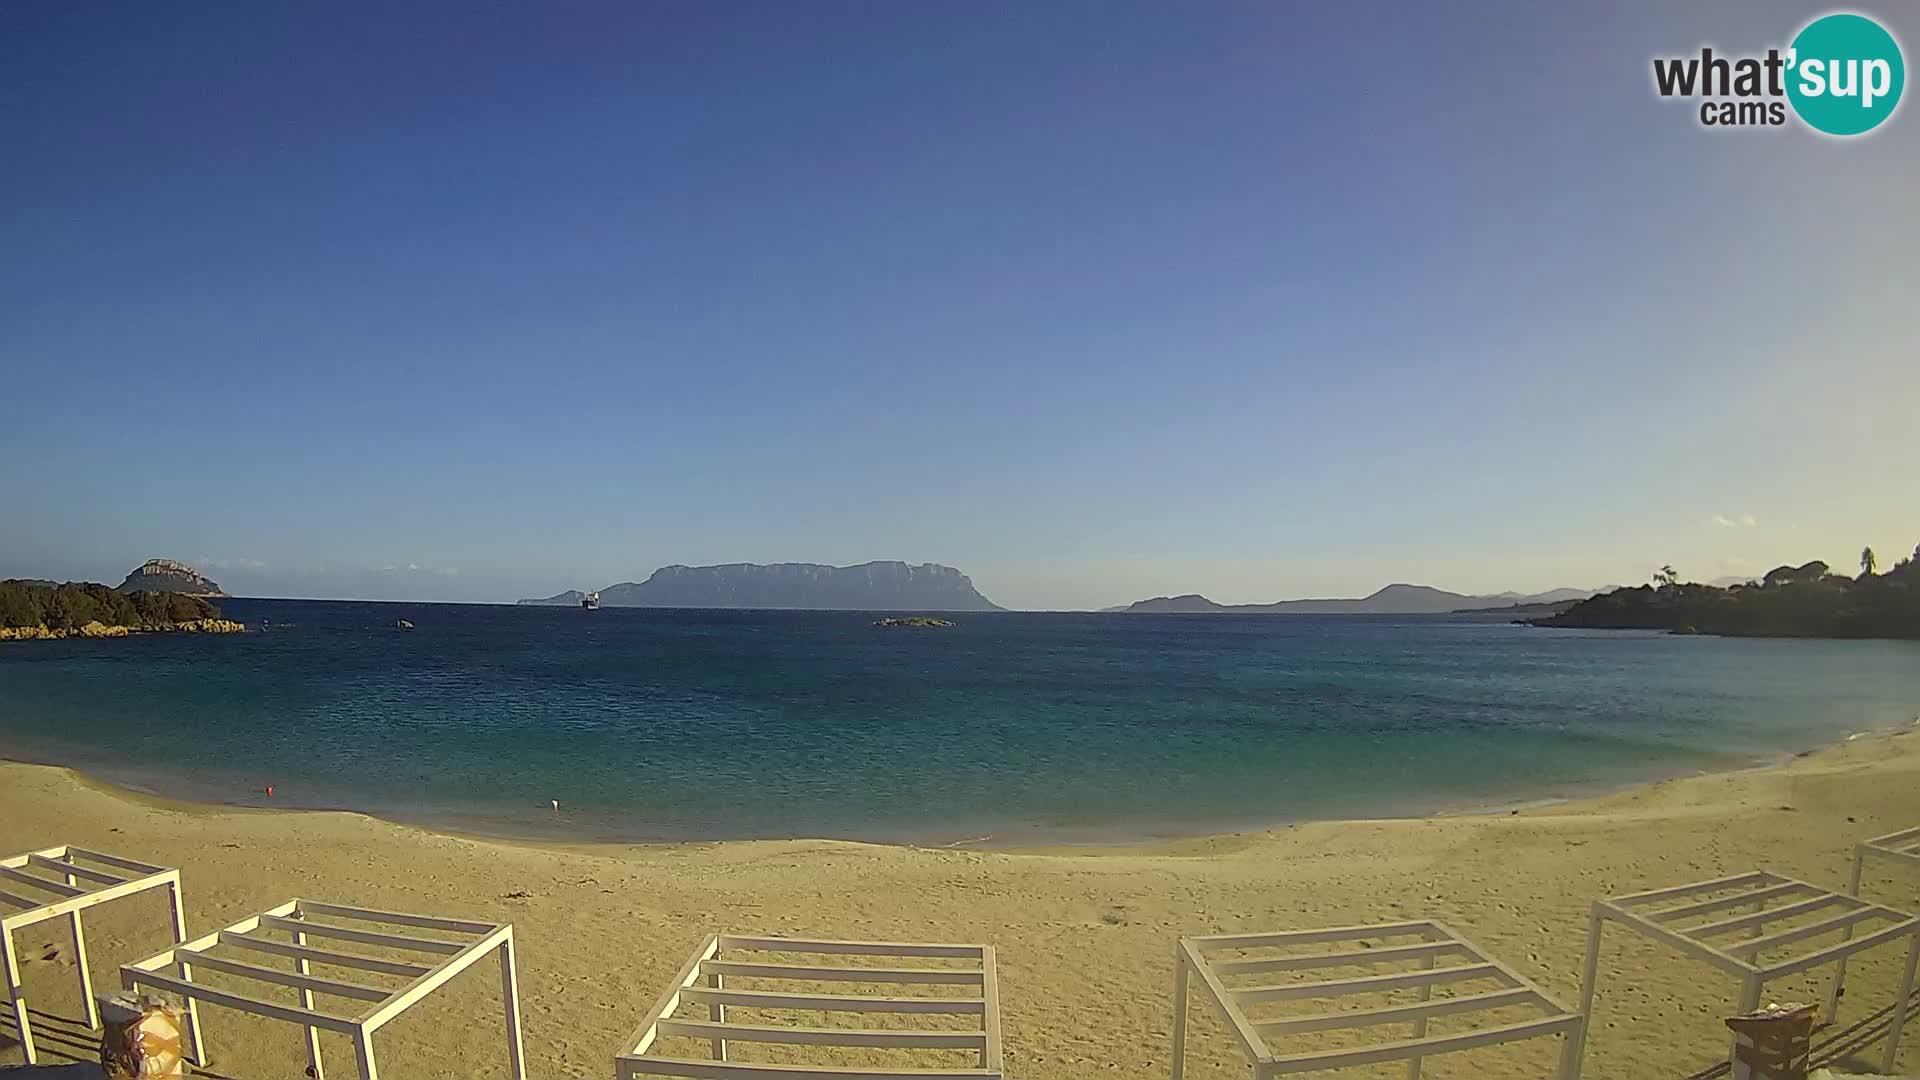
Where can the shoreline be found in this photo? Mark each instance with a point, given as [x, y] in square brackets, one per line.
[1044, 838]
[1084, 934]
[479, 824]
[116, 630]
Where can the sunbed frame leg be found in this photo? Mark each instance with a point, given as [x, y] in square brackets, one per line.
[1899, 1018]
[88, 1009]
[717, 1012]
[1420, 1024]
[1179, 1011]
[363, 1049]
[314, 1067]
[1571, 1050]
[510, 997]
[198, 1051]
[1575, 1050]
[1749, 1002]
[18, 997]
[1846, 935]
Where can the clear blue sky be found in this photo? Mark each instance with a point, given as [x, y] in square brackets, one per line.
[1094, 301]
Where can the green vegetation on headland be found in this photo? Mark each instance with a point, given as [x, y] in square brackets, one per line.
[87, 609]
[1791, 601]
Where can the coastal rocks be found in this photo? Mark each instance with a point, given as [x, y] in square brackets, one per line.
[102, 630]
[402, 624]
[42, 633]
[209, 626]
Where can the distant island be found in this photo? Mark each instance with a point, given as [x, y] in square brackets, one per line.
[570, 598]
[874, 586]
[1791, 601]
[1521, 610]
[166, 575]
[1397, 599]
[32, 609]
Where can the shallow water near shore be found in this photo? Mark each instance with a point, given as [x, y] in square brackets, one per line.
[667, 725]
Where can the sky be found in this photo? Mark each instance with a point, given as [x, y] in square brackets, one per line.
[1094, 301]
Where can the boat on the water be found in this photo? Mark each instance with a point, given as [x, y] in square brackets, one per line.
[590, 602]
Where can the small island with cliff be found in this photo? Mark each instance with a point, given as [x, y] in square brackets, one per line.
[161, 596]
[166, 575]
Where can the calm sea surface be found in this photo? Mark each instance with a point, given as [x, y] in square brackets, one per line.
[650, 724]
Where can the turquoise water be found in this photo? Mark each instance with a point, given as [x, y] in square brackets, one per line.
[653, 724]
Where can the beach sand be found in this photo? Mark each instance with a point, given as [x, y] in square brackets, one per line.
[1085, 935]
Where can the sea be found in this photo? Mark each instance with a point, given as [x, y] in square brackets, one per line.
[1005, 728]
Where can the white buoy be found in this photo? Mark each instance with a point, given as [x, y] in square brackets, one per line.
[556, 804]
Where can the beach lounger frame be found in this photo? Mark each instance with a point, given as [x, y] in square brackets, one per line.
[434, 960]
[1444, 956]
[1654, 915]
[1902, 847]
[703, 981]
[82, 879]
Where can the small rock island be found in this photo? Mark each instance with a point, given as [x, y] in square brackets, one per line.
[914, 620]
[166, 575]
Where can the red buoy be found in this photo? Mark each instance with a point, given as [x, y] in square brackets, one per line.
[269, 791]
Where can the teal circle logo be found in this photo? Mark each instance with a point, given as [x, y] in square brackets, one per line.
[1845, 74]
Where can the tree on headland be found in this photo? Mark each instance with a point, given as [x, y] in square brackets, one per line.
[1788, 575]
[1808, 600]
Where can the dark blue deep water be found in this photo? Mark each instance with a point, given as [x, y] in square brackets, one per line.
[674, 724]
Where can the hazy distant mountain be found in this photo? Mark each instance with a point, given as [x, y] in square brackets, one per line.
[1392, 600]
[165, 575]
[570, 598]
[874, 586]
[1519, 610]
[1551, 596]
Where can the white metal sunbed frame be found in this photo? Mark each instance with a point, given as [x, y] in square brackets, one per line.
[716, 960]
[1902, 846]
[78, 879]
[1436, 945]
[436, 960]
[1740, 956]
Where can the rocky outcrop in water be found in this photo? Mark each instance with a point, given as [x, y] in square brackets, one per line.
[102, 630]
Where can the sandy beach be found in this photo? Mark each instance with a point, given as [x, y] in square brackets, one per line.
[1085, 936]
